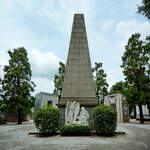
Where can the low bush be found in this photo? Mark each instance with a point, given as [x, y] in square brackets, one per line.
[46, 119]
[75, 130]
[105, 120]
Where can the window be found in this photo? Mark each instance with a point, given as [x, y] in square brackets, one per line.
[49, 102]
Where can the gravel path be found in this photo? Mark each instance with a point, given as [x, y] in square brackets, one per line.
[15, 137]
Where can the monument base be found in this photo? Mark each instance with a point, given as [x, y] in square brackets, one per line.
[89, 109]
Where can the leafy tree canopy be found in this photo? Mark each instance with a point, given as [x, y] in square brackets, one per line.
[59, 78]
[144, 9]
[135, 63]
[17, 85]
[118, 87]
[101, 83]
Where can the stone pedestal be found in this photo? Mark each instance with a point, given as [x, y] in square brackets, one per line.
[89, 110]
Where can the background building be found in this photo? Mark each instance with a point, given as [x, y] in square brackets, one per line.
[44, 99]
[117, 100]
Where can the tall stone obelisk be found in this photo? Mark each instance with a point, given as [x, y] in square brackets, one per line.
[78, 82]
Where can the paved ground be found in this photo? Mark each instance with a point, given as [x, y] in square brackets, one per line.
[14, 137]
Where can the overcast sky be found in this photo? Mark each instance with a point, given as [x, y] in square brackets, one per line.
[43, 27]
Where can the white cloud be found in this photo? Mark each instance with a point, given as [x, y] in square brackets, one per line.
[43, 85]
[107, 25]
[61, 14]
[45, 25]
[44, 64]
[124, 30]
[114, 75]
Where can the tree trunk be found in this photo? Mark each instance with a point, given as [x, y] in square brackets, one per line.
[135, 112]
[19, 117]
[141, 114]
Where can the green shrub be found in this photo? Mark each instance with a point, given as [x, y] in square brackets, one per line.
[46, 119]
[105, 120]
[3, 107]
[75, 130]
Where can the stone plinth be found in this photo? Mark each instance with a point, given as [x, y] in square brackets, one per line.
[90, 120]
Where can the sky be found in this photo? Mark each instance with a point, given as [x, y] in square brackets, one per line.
[43, 28]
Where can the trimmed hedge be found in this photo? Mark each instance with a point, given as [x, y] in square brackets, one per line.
[105, 120]
[75, 130]
[46, 119]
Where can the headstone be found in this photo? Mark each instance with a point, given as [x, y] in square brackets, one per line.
[78, 82]
[117, 100]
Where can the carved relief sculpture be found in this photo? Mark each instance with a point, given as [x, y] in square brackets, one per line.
[72, 115]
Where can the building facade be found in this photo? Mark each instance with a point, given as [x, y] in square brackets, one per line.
[45, 99]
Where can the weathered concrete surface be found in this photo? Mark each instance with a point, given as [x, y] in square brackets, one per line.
[78, 82]
[13, 137]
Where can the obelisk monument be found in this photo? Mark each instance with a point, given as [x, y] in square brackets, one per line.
[78, 82]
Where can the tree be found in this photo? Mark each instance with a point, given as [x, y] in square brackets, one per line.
[0, 89]
[118, 87]
[59, 79]
[17, 84]
[144, 9]
[127, 91]
[1, 92]
[147, 88]
[101, 83]
[135, 62]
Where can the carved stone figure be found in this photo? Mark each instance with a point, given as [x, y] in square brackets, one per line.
[72, 115]
[83, 117]
[76, 112]
[72, 111]
[67, 112]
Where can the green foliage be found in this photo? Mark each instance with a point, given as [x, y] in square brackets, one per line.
[59, 78]
[3, 107]
[118, 87]
[101, 83]
[17, 84]
[147, 88]
[32, 102]
[144, 9]
[135, 63]
[127, 91]
[75, 130]
[46, 119]
[105, 120]
[1, 92]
